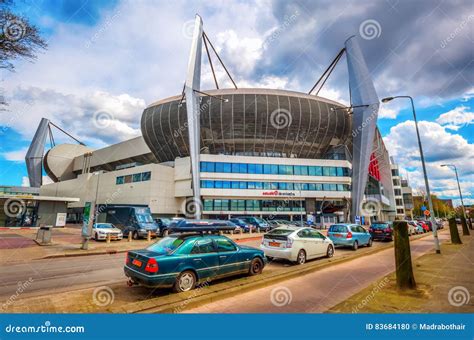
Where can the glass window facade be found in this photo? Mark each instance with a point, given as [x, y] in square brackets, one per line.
[209, 184]
[253, 205]
[138, 177]
[273, 169]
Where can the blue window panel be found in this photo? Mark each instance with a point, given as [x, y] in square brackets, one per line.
[298, 186]
[340, 171]
[243, 185]
[235, 185]
[218, 184]
[282, 186]
[312, 170]
[251, 185]
[304, 170]
[207, 167]
[146, 176]
[326, 171]
[319, 187]
[259, 169]
[227, 168]
[258, 185]
[226, 185]
[346, 172]
[312, 187]
[119, 180]
[319, 170]
[326, 187]
[333, 187]
[305, 186]
[267, 185]
[219, 167]
[243, 168]
[137, 177]
[235, 168]
[285, 169]
[297, 169]
[340, 187]
[251, 168]
[332, 171]
[274, 185]
[290, 186]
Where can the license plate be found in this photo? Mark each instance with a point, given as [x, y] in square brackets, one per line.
[378, 231]
[137, 263]
[337, 235]
[274, 244]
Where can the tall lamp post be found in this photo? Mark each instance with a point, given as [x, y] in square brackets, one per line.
[452, 166]
[427, 186]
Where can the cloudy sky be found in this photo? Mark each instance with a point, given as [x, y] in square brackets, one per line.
[112, 58]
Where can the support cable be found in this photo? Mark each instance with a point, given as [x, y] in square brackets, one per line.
[219, 58]
[210, 60]
[57, 127]
[324, 77]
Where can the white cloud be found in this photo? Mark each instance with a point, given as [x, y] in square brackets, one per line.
[456, 118]
[15, 156]
[385, 112]
[25, 181]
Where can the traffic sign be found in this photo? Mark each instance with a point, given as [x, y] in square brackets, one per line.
[427, 213]
[423, 208]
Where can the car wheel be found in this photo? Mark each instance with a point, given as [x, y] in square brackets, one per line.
[256, 267]
[301, 258]
[355, 246]
[135, 235]
[330, 251]
[369, 244]
[165, 233]
[185, 281]
[96, 237]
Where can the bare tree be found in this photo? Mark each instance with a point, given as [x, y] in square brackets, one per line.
[19, 39]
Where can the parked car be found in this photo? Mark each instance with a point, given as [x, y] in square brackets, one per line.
[184, 225]
[350, 235]
[381, 231]
[411, 229]
[182, 261]
[418, 228]
[424, 226]
[245, 226]
[163, 226]
[131, 219]
[296, 244]
[257, 222]
[101, 230]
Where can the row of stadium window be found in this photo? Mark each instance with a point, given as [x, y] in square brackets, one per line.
[274, 185]
[252, 205]
[140, 177]
[274, 169]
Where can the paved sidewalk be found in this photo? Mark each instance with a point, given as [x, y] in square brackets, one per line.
[17, 246]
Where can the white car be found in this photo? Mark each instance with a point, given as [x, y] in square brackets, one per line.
[411, 229]
[296, 244]
[100, 231]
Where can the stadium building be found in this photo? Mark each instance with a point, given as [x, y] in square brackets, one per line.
[230, 152]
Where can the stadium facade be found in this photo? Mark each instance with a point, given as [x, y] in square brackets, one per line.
[232, 152]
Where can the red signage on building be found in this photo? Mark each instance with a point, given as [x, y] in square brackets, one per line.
[374, 170]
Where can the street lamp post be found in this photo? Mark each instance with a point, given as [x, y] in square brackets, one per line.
[452, 166]
[427, 186]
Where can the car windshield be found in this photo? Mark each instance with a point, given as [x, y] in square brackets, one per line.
[166, 245]
[379, 226]
[338, 229]
[283, 232]
[104, 225]
[166, 221]
[144, 218]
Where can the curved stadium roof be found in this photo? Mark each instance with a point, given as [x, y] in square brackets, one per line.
[250, 122]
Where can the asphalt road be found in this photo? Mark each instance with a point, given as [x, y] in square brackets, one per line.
[318, 291]
[72, 273]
